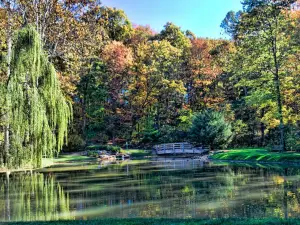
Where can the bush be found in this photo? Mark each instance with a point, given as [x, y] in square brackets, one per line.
[75, 143]
[210, 128]
[104, 148]
[92, 153]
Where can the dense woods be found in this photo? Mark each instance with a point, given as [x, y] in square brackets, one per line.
[123, 83]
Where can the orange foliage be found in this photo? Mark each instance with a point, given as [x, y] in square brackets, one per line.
[202, 61]
[117, 57]
[140, 34]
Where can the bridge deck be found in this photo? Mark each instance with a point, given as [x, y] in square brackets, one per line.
[178, 148]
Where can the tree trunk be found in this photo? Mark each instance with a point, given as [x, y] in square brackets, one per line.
[278, 95]
[262, 129]
[6, 142]
[281, 125]
[84, 117]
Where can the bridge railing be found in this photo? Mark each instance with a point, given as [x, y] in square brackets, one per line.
[178, 148]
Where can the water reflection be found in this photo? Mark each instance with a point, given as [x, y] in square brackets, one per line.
[161, 188]
[32, 196]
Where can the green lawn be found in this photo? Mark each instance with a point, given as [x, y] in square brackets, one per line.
[72, 158]
[257, 155]
[165, 222]
[62, 159]
[65, 158]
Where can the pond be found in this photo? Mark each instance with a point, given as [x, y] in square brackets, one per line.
[150, 189]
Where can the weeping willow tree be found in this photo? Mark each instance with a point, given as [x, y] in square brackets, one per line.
[39, 112]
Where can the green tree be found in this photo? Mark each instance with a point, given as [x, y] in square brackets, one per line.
[262, 56]
[93, 94]
[175, 36]
[39, 114]
[116, 23]
[210, 128]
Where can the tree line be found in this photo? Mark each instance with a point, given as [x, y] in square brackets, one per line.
[126, 83]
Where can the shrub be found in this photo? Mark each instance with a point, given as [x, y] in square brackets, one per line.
[104, 147]
[112, 148]
[92, 153]
[210, 128]
[75, 143]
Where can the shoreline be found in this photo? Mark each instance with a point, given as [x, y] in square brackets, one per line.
[69, 157]
[47, 162]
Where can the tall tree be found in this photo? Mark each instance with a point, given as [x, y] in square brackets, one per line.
[39, 113]
[203, 70]
[175, 36]
[157, 88]
[70, 31]
[7, 24]
[116, 23]
[263, 50]
[118, 60]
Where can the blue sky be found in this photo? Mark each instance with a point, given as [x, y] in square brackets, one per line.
[203, 17]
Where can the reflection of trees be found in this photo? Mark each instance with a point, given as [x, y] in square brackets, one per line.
[218, 191]
[32, 197]
[231, 191]
[147, 190]
[256, 192]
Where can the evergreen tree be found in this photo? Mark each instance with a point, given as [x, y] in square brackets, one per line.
[210, 128]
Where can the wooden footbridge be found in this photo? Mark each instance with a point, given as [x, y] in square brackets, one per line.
[179, 149]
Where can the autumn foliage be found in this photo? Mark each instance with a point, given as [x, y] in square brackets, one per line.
[129, 83]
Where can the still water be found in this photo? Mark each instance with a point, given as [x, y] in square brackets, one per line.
[168, 189]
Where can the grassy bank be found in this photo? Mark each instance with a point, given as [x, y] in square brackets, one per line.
[165, 222]
[46, 162]
[257, 155]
